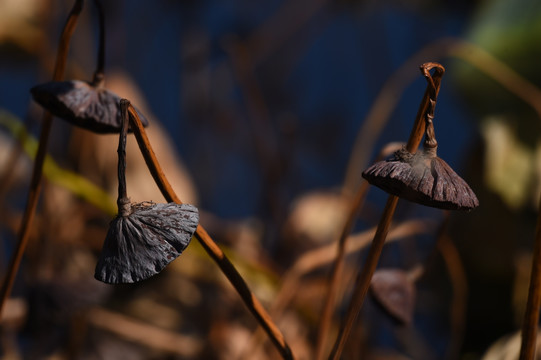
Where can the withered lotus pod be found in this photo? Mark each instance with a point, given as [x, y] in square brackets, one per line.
[395, 291]
[83, 104]
[423, 178]
[144, 237]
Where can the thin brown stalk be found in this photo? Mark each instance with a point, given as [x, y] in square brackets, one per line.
[451, 257]
[324, 256]
[208, 244]
[363, 280]
[383, 107]
[144, 334]
[336, 273]
[35, 182]
[531, 316]
[388, 97]
[99, 73]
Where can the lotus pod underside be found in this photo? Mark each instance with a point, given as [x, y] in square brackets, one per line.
[82, 104]
[422, 178]
[141, 244]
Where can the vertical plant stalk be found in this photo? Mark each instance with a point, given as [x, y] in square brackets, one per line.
[457, 275]
[531, 316]
[330, 299]
[338, 266]
[35, 182]
[122, 199]
[208, 244]
[363, 280]
[99, 74]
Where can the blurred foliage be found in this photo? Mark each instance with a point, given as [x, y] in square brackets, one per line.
[70, 180]
[509, 164]
[262, 101]
[510, 31]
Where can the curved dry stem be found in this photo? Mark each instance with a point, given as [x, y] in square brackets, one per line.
[122, 201]
[531, 316]
[336, 272]
[363, 280]
[498, 71]
[325, 255]
[395, 86]
[35, 182]
[382, 108]
[457, 275]
[100, 65]
[208, 244]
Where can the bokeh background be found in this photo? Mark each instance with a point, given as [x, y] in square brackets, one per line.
[264, 114]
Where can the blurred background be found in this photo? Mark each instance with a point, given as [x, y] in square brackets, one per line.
[264, 114]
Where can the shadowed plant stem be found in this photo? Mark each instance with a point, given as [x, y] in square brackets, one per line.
[99, 73]
[336, 274]
[363, 280]
[337, 269]
[208, 244]
[35, 182]
[531, 317]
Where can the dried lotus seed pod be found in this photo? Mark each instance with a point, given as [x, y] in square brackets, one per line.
[423, 178]
[140, 244]
[144, 237]
[83, 104]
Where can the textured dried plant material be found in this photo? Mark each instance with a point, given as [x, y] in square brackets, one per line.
[423, 178]
[83, 104]
[144, 237]
[140, 244]
[394, 290]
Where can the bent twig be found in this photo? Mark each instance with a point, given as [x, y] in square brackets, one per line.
[35, 182]
[208, 244]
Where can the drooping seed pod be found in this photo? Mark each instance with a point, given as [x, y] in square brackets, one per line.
[83, 104]
[423, 177]
[394, 290]
[144, 237]
[142, 242]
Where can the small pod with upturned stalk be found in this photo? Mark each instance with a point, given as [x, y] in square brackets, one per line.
[85, 104]
[394, 290]
[144, 237]
[423, 177]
